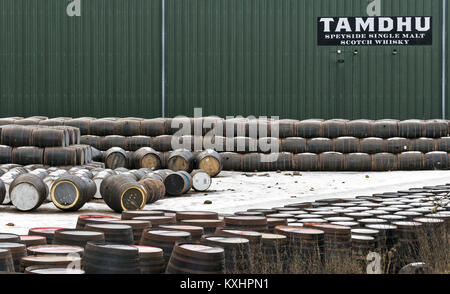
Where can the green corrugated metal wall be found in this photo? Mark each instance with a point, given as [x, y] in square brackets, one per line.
[106, 62]
[230, 57]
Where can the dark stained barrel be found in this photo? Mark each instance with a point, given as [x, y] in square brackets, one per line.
[209, 161]
[436, 128]
[247, 223]
[6, 261]
[251, 162]
[16, 136]
[201, 180]
[412, 160]
[94, 141]
[47, 137]
[359, 128]
[178, 183]
[137, 142]
[5, 154]
[28, 155]
[47, 232]
[151, 260]
[372, 145]
[384, 162]
[181, 160]
[231, 161]
[334, 128]
[93, 218]
[147, 157]
[423, 145]
[164, 239]
[114, 233]
[346, 145]
[155, 189]
[28, 192]
[77, 237]
[358, 162]
[123, 193]
[5, 237]
[154, 127]
[116, 157]
[332, 161]
[112, 141]
[385, 129]
[397, 145]
[319, 145]
[17, 252]
[268, 145]
[156, 221]
[80, 123]
[127, 127]
[436, 160]
[306, 242]
[294, 145]
[195, 231]
[108, 258]
[60, 156]
[101, 127]
[190, 258]
[311, 128]
[245, 145]
[70, 192]
[138, 226]
[413, 128]
[162, 143]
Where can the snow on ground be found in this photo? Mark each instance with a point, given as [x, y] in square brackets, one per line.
[232, 192]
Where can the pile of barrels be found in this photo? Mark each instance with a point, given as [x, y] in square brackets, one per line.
[28, 187]
[40, 144]
[178, 160]
[266, 145]
[393, 224]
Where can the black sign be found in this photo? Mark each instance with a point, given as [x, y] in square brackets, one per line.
[374, 31]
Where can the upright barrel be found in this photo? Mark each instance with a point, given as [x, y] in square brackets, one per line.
[108, 258]
[189, 258]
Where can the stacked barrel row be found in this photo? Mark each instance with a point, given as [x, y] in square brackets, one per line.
[307, 235]
[334, 161]
[317, 145]
[311, 128]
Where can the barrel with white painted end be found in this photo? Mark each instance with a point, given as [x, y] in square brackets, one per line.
[201, 180]
[28, 192]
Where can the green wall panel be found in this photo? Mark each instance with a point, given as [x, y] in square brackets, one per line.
[104, 63]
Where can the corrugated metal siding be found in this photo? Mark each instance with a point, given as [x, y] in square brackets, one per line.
[230, 57]
[259, 57]
[104, 63]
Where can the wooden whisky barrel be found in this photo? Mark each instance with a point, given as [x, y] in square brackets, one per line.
[190, 258]
[108, 258]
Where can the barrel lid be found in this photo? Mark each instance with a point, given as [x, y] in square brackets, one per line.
[166, 235]
[276, 221]
[207, 223]
[54, 249]
[226, 240]
[362, 238]
[134, 223]
[49, 258]
[381, 227]
[9, 237]
[346, 224]
[246, 220]
[192, 229]
[427, 220]
[339, 219]
[280, 215]
[360, 231]
[78, 233]
[392, 217]
[406, 224]
[53, 270]
[201, 248]
[94, 216]
[155, 220]
[45, 230]
[11, 245]
[196, 215]
[372, 221]
[149, 251]
[112, 248]
[108, 227]
[312, 220]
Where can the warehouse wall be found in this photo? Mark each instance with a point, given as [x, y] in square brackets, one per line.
[105, 62]
[247, 57]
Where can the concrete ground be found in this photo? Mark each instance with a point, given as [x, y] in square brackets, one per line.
[233, 191]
